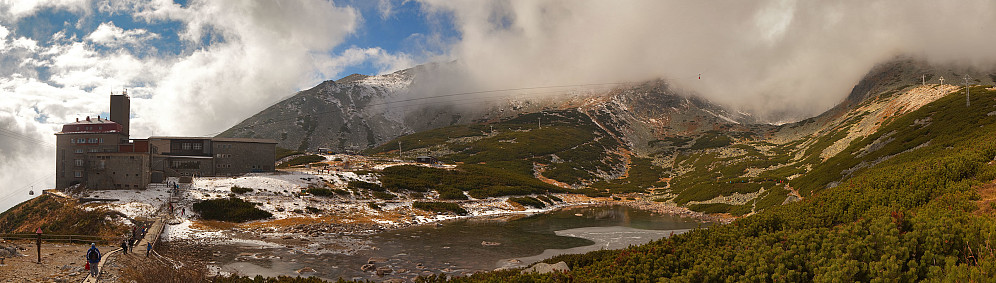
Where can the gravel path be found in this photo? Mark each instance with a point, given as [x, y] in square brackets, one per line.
[60, 263]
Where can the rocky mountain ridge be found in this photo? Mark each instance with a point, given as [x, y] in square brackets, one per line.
[359, 112]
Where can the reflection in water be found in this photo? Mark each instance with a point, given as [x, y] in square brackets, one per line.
[605, 238]
[470, 245]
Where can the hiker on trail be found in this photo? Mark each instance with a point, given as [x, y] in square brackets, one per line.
[131, 244]
[93, 258]
[148, 248]
[183, 211]
[124, 246]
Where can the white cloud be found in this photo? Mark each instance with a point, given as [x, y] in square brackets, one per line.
[3, 37]
[262, 52]
[384, 61]
[386, 7]
[796, 57]
[16, 9]
[269, 49]
[110, 35]
[27, 154]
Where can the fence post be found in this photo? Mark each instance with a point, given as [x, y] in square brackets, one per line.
[39, 232]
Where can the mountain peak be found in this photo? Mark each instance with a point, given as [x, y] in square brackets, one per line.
[351, 78]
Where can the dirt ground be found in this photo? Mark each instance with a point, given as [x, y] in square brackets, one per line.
[60, 262]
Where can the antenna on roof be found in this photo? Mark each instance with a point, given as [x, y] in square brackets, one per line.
[942, 80]
[923, 79]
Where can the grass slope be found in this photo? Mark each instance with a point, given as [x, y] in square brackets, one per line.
[908, 218]
[573, 149]
[60, 216]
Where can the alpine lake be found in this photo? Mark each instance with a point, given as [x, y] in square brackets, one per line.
[465, 246]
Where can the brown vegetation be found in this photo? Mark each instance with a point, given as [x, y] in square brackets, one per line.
[987, 200]
[57, 215]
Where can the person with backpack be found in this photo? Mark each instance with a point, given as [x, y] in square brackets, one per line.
[124, 246]
[93, 258]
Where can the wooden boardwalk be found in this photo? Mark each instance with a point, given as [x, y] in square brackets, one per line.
[151, 235]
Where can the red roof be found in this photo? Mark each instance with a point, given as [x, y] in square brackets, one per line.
[92, 126]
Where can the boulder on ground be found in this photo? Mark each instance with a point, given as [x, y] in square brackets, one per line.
[543, 268]
[306, 270]
[384, 270]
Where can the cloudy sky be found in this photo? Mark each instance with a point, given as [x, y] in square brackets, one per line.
[198, 67]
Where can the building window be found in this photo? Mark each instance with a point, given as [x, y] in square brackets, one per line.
[186, 165]
[78, 174]
[186, 146]
[79, 150]
[79, 162]
[197, 146]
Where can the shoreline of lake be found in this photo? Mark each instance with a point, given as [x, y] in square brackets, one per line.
[454, 247]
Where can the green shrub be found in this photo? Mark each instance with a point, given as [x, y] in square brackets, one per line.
[555, 198]
[365, 185]
[283, 152]
[593, 193]
[450, 193]
[499, 191]
[712, 139]
[240, 190]
[384, 195]
[320, 192]
[528, 201]
[545, 199]
[300, 160]
[736, 210]
[230, 210]
[439, 207]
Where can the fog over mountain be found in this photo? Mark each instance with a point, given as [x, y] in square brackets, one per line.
[784, 60]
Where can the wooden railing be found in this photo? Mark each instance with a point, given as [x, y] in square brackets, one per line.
[61, 238]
